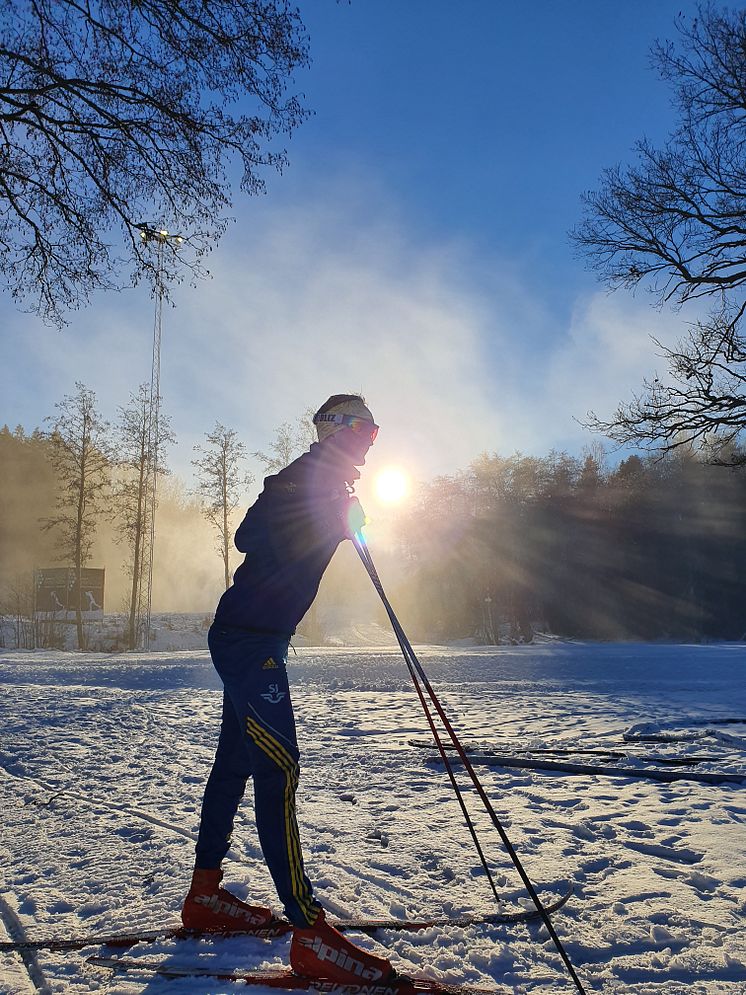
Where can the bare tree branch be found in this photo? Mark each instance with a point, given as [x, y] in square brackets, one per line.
[675, 222]
[117, 113]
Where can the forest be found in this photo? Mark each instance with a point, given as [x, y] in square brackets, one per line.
[651, 549]
[513, 545]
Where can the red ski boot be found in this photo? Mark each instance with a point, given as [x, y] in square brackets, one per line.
[320, 951]
[210, 907]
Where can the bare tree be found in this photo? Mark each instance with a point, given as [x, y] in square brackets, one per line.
[114, 114]
[290, 441]
[221, 482]
[676, 223]
[132, 512]
[80, 452]
[702, 402]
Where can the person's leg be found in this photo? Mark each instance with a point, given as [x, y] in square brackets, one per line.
[224, 790]
[255, 677]
[317, 949]
[261, 696]
[207, 905]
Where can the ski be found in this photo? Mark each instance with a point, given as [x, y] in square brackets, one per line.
[604, 770]
[287, 980]
[279, 927]
[507, 749]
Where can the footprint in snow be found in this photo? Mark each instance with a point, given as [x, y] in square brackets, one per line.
[596, 866]
[670, 873]
[584, 833]
[702, 882]
[377, 834]
[679, 855]
[635, 826]
[134, 835]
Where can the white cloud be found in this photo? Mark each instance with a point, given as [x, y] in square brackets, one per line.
[456, 353]
[316, 309]
[606, 353]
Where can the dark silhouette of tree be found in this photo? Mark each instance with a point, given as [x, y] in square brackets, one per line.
[27, 492]
[221, 485]
[652, 549]
[112, 115]
[675, 222]
[80, 451]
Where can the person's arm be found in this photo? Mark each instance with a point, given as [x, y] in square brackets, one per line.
[252, 529]
[293, 515]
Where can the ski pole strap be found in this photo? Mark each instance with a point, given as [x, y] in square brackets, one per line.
[416, 671]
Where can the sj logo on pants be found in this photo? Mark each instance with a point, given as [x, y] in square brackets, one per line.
[274, 695]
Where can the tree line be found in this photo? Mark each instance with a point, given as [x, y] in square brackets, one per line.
[60, 485]
[81, 476]
[651, 549]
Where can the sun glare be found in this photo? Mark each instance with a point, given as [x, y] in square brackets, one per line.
[392, 485]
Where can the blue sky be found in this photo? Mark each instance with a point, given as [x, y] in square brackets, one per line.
[416, 247]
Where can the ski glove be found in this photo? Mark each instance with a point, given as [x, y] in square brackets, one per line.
[354, 517]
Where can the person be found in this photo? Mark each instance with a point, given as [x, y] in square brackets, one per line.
[289, 536]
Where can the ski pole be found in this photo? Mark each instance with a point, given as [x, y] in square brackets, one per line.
[447, 763]
[416, 670]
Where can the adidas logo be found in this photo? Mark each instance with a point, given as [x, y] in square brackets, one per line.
[269, 664]
[339, 957]
[221, 907]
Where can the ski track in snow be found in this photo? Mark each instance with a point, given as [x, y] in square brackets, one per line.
[103, 760]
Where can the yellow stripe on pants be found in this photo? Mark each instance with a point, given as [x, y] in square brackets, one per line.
[280, 756]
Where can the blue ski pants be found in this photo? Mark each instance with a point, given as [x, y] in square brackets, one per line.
[257, 740]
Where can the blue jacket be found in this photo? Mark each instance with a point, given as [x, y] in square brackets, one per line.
[289, 535]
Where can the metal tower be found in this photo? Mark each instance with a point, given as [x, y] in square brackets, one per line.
[160, 238]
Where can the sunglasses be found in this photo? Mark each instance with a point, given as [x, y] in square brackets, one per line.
[361, 426]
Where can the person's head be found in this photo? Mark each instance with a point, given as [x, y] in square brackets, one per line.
[344, 420]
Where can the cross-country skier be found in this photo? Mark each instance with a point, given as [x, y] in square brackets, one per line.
[289, 536]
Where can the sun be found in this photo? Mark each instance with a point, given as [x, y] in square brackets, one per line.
[392, 485]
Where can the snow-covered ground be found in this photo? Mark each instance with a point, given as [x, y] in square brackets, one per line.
[103, 758]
